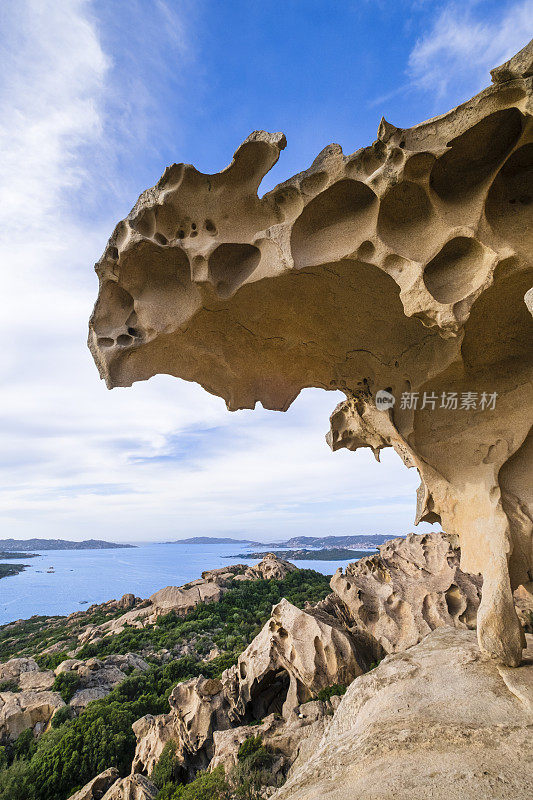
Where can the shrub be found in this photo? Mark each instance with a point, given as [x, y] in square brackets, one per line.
[52, 660]
[62, 715]
[167, 768]
[206, 786]
[9, 686]
[253, 770]
[67, 684]
[249, 746]
[330, 691]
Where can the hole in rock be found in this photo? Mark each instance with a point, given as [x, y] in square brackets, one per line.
[124, 339]
[114, 307]
[456, 271]
[366, 250]
[145, 223]
[160, 238]
[268, 695]
[475, 154]
[333, 223]
[210, 226]
[105, 341]
[231, 264]
[404, 216]
[454, 600]
[507, 208]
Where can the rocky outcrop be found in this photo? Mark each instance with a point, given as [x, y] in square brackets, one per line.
[22, 710]
[183, 599]
[134, 787]
[293, 740]
[13, 669]
[108, 786]
[409, 588]
[95, 789]
[439, 720]
[296, 654]
[33, 704]
[396, 272]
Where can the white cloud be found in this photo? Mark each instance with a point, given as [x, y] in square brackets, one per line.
[465, 42]
[163, 458]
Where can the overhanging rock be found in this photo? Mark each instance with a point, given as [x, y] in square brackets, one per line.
[402, 267]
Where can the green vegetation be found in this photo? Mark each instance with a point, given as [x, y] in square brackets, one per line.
[230, 624]
[331, 691]
[31, 636]
[9, 686]
[76, 749]
[206, 786]
[253, 771]
[67, 684]
[11, 569]
[7, 554]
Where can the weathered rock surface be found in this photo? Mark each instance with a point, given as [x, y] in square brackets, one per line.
[22, 710]
[402, 266]
[134, 787]
[439, 720]
[409, 588]
[296, 654]
[12, 670]
[198, 708]
[95, 789]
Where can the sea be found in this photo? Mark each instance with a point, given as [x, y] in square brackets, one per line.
[60, 582]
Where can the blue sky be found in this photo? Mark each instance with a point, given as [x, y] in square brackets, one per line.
[96, 99]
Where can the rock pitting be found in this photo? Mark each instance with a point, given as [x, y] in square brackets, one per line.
[400, 267]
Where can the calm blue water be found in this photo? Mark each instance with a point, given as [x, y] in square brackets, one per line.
[99, 575]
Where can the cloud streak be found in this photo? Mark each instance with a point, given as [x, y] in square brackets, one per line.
[465, 42]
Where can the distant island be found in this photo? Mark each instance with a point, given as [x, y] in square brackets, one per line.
[7, 554]
[362, 541]
[57, 544]
[215, 540]
[11, 569]
[325, 554]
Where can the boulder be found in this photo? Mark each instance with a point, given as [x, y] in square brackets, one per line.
[395, 274]
[270, 567]
[22, 710]
[296, 654]
[127, 601]
[95, 789]
[134, 787]
[409, 588]
[183, 599]
[198, 708]
[12, 670]
[36, 681]
[440, 720]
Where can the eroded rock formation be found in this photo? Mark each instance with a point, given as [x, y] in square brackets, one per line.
[400, 267]
[409, 588]
[384, 603]
[440, 720]
[296, 654]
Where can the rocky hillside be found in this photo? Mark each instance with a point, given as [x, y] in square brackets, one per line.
[230, 695]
